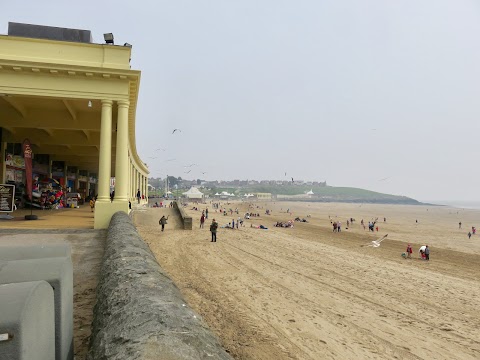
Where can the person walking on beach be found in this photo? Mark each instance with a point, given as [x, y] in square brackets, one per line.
[206, 213]
[409, 251]
[213, 230]
[202, 221]
[339, 226]
[233, 223]
[163, 221]
[460, 225]
[139, 196]
[469, 234]
[427, 253]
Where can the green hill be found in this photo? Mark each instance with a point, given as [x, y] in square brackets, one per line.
[321, 193]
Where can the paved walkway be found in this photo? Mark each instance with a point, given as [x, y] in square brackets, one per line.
[74, 226]
[81, 218]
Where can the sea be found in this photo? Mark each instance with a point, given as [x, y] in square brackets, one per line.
[460, 204]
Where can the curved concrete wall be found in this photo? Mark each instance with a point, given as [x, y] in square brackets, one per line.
[140, 313]
[186, 220]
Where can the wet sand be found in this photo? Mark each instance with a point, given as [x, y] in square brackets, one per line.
[308, 293]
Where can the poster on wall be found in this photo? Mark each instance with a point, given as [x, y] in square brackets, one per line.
[7, 197]
[15, 161]
[10, 175]
[19, 176]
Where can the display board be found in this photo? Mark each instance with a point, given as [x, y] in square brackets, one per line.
[7, 197]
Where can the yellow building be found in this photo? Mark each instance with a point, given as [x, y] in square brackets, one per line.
[76, 102]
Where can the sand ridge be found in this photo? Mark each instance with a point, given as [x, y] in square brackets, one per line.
[306, 293]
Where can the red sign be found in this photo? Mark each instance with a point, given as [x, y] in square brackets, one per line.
[27, 155]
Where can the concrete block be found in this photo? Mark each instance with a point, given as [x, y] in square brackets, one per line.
[13, 251]
[27, 321]
[186, 220]
[58, 272]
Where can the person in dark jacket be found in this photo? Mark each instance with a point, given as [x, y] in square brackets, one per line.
[163, 221]
[213, 230]
[427, 253]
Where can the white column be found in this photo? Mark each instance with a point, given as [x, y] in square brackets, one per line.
[121, 162]
[131, 181]
[105, 158]
[146, 187]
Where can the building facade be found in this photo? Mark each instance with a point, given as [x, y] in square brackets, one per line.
[75, 101]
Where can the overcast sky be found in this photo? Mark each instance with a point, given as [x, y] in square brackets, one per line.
[349, 91]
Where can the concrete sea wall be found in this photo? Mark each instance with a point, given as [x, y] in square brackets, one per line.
[186, 219]
[140, 313]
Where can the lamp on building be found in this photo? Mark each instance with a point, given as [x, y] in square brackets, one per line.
[108, 38]
[89, 104]
[127, 45]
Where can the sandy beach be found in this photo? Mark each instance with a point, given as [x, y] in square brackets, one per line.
[308, 293]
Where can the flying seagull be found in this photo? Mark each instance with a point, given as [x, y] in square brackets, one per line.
[187, 172]
[152, 157]
[190, 165]
[204, 173]
[376, 243]
[384, 179]
[160, 149]
[173, 132]
[169, 160]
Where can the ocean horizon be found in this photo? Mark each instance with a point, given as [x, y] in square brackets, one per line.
[460, 204]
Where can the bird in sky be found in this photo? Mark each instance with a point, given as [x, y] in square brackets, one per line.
[152, 157]
[384, 179]
[203, 173]
[188, 172]
[160, 149]
[190, 165]
[169, 160]
[174, 130]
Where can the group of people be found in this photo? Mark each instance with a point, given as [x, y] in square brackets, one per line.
[337, 226]
[284, 224]
[424, 252]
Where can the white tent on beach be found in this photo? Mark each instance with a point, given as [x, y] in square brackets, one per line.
[193, 193]
[310, 192]
[225, 195]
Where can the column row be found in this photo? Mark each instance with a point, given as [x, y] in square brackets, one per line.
[129, 181]
[105, 158]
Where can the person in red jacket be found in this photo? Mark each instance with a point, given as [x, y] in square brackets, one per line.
[409, 251]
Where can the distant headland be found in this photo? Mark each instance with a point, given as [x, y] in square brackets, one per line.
[297, 190]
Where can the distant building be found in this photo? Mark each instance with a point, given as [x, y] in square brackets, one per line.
[264, 196]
